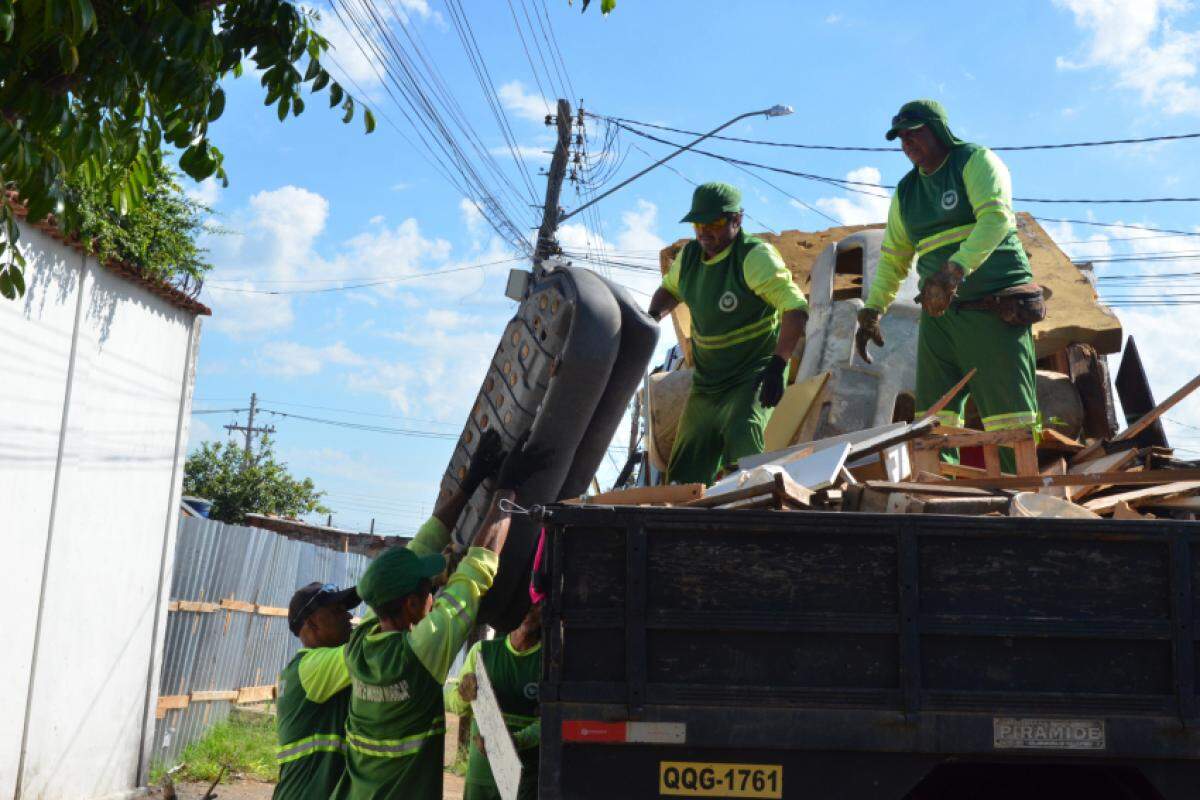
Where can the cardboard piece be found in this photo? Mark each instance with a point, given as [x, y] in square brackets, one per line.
[790, 413]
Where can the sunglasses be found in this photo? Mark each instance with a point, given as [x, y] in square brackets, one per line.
[324, 591]
[714, 226]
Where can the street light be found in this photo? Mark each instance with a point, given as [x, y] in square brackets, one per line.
[773, 111]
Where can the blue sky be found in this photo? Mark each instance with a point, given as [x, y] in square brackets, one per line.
[316, 204]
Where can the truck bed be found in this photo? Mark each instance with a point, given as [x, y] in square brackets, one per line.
[856, 653]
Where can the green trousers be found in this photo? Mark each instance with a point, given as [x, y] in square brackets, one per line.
[1004, 388]
[715, 430]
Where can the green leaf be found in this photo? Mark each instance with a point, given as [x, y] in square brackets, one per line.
[18, 280]
[314, 69]
[6, 284]
[297, 106]
[368, 120]
[349, 107]
[84, 14]
[335, 94]
[320, 82]
[282, 111]
[216, 104]
[606, 6]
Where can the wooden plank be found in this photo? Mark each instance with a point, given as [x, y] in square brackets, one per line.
[945, 399]
[1113, 462]
[271, 611]
[956, 488]
[1149, 493]
[1123, 511]
[1147, 419]
[168, 702]
[501, 752]
[1057, 467]
[255, 694]
[991, 461]
[1156, 476]
[960, 471]
[1025, 454]
[675, 494]
[173, 605]
[939, 441]
[1056, 442]
[197, 606]
[212, 696]
[229, 604]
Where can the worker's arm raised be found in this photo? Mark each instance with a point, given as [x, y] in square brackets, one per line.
[464, 684]
[323, 673]
[989, 188]
[895, 260]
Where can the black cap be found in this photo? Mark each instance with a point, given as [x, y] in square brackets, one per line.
[308, 599]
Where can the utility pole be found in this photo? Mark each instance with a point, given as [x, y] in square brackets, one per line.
[546, 243]
[249, 428]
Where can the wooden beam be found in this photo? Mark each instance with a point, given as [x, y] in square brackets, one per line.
[1150, 492]
[945, 399]
[214, 695]
[938, 441]
[197, 606]
[271, 611]
[229, 604]
[676, 494]
[168, 702]
[1155, 476]
[1146, 420]
[255, 694]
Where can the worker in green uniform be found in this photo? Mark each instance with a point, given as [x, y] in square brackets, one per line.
[514, 665]
[314, 694]
[747, 316]
[399, 658]
[314, 688]
[953, 211]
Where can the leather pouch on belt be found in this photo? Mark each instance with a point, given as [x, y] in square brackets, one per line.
[1022, 305]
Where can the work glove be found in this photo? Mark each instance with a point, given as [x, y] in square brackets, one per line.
[770, 381]
[868, 331]
[486, 460]
[940, 289]
[520, 463]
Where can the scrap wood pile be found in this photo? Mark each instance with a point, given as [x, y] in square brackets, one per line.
[899, 468]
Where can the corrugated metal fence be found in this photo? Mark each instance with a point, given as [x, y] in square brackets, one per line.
[227, 635]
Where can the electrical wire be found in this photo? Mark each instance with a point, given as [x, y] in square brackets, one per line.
[216, 286]
[420, 434]
[1008, 148]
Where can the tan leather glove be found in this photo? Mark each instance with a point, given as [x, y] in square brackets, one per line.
[941, 288]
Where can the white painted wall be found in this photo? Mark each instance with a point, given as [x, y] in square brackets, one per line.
[95, 388]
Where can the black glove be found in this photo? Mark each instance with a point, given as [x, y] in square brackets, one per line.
[940, 289]
[868, 331]
[770, 381]
[521, 462]
[486, 460]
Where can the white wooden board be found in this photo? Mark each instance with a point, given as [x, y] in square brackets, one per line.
[501, 752]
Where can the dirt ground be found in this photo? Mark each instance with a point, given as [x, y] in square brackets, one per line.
[452, 785]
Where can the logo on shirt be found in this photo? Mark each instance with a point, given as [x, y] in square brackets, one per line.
[728, 302]
[531, 691]
[392, 693]
[949, 199]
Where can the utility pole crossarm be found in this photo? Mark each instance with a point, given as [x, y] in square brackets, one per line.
[249, 428]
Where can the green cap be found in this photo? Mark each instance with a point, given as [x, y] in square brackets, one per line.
[914, 114]
[395, 573]
[711, 200]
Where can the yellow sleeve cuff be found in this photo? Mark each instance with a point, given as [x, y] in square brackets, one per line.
[431, 538]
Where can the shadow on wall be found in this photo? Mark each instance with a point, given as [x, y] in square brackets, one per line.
[54, 271]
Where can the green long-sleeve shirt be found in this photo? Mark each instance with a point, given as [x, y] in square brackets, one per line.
[989, 227]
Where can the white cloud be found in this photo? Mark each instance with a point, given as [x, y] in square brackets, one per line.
[199, 431]
[527, 105]
[833, 19]
[206, 193]
[524, 151]
[472, 217]
[1139, 41]
[857, 208]
[293, 360]
[636, 243]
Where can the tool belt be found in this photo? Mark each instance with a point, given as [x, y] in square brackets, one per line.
[1019, 306]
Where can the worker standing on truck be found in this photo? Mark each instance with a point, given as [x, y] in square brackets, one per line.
[747, 316]
[953, 211]
[314, 694]
[399, 658]
[514, 665]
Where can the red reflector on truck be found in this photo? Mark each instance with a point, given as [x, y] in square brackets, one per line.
[580, 730]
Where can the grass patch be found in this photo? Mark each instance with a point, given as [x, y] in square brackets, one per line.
[459, 767]
[244, 744]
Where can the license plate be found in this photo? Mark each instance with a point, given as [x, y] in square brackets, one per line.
[1023, 733]
[699, 779]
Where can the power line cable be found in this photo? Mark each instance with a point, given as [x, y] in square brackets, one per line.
[420, 434]
[1007, 148]
[367, 284]
[1125, 226]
